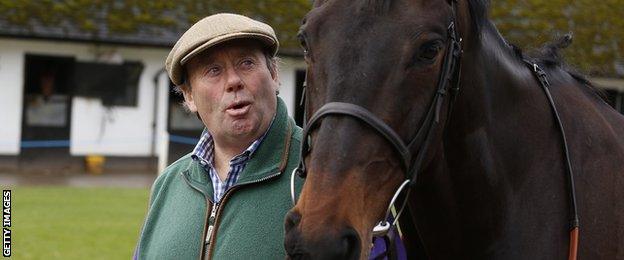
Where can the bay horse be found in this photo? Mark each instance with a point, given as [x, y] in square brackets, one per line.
[495, 177]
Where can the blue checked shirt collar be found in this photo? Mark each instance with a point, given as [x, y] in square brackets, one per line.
[204, 154]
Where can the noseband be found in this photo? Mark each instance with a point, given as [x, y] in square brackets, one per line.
[449, 76]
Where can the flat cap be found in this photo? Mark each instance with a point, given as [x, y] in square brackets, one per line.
[211, 31]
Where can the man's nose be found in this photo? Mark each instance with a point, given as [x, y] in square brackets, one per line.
[234, 81]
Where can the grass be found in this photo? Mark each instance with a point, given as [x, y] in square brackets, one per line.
[76, 223]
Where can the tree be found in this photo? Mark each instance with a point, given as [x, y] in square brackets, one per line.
[597, 26]
[127, 16]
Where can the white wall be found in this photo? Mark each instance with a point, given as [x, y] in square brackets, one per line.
[118, 131]
[121, 131]
[11, 85]
[288, 69]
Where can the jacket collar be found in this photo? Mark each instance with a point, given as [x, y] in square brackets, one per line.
[272, 155]
[269, 159]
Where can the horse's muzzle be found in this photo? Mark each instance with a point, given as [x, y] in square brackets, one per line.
[330, 243]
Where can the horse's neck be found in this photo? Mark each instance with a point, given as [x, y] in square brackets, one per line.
[485, 153]
[497, 181]
[503, 110]
[499, 95]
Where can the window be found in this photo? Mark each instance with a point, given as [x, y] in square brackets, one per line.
[615, 99]
[115, 84]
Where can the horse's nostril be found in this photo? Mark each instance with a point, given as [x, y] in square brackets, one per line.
[351, 244]
[293, 237]
[344, 244]
[292, 220]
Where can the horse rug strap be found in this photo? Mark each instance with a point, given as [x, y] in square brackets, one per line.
[541, 76]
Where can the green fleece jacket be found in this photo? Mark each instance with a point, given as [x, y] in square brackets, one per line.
[248, 223]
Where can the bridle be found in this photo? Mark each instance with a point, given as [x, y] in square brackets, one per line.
[448, 83]
[449, 77]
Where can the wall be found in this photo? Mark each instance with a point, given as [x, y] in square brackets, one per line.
[11, 84]
[119, 131]
[95, 129]
[122, 131]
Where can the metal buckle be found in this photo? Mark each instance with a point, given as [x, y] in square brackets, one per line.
[292, 186]
[384, 226]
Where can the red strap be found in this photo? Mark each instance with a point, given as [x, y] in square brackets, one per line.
[574, 239]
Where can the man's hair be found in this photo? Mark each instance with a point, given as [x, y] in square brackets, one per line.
[272, 63]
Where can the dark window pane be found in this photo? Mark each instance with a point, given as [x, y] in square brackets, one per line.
[115, 84]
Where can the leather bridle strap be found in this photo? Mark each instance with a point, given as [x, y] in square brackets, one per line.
[340, 108]
[448, 78]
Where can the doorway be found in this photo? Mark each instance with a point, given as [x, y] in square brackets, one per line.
[46, 110]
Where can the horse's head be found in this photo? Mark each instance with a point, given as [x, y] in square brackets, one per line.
[386, 56]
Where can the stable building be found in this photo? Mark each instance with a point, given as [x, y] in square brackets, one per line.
[69, 94]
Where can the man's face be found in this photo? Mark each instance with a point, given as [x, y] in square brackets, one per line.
[233, 90]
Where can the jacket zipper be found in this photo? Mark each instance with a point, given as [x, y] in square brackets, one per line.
[208, 202]
[210, 238]
[211, 222]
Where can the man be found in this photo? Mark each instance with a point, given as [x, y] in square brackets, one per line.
[228, 198]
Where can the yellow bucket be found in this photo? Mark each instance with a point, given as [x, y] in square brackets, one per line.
[94, 164]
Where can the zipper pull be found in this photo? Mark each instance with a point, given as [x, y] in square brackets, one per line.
[211, 222]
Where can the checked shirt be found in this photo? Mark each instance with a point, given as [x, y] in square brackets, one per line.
[204, 153]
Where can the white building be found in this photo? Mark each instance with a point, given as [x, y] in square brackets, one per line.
[66, 94]
[69, 95]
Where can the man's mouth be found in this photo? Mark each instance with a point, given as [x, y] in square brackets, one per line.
[238, 108]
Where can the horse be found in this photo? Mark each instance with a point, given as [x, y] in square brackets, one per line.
[497, 175]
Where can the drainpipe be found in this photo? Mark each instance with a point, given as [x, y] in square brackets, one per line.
[162, 156]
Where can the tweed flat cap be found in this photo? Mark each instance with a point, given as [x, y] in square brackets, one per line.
[211, 31]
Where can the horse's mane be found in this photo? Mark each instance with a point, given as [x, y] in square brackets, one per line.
[479, 13]
[548, 55]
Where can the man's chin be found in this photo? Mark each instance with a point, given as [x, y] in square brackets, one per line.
[242, 128]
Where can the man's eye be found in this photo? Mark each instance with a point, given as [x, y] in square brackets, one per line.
[213, 71]
[247, 63]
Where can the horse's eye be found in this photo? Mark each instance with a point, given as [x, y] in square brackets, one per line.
[430, 50]
[302, 41]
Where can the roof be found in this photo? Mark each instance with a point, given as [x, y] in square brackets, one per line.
[162, 35]
[144, 35]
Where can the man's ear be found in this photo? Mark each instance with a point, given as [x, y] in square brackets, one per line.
[274, 73]
[276, 84]
[275, 77]
[189, 103]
